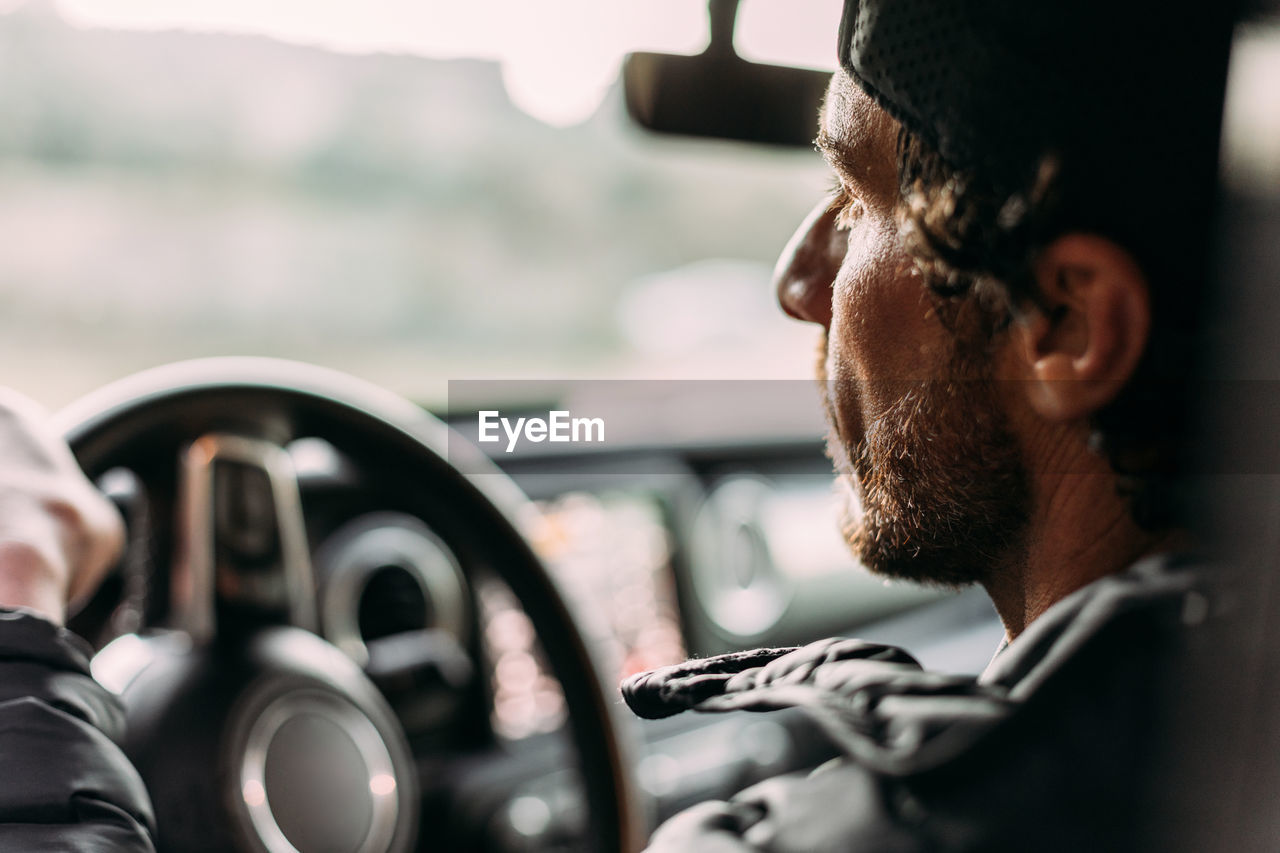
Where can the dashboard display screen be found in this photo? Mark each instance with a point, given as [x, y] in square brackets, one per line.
[610, 552]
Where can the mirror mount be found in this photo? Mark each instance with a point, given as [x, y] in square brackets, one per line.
[724, 20]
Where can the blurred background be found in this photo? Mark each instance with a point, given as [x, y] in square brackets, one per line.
[410, 192]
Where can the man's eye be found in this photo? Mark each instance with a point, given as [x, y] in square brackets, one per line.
[846, 208]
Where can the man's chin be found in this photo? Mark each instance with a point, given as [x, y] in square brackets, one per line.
[849, 504]
[858, 536]
[887, 539]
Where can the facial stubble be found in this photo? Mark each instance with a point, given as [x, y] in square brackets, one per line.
[943, 491]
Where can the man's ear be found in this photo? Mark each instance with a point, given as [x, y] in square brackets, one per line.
[1084, 341]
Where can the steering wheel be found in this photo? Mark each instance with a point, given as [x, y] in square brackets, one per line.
[253, 733]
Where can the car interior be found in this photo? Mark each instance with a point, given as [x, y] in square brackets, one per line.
[271, 268]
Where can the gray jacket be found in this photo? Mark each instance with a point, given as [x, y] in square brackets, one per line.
[1055, 747]
[64, 784]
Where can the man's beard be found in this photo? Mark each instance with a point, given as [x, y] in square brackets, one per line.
[943, 490]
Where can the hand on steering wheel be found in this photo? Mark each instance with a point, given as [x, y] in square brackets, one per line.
[58, 534]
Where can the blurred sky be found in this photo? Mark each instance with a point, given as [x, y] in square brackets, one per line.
[559, 57]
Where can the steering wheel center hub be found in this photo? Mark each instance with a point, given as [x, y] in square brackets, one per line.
[316, 775]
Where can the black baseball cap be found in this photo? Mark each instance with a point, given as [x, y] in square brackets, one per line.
[1125, 94]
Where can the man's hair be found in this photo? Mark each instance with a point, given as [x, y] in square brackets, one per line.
[975, 243]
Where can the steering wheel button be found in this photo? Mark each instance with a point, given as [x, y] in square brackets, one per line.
[245, 514]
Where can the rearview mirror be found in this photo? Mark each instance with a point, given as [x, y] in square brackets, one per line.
[719, 94]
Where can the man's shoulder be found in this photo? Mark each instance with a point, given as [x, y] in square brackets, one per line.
[1158, 598]
[1055, 741]
[1100, 648]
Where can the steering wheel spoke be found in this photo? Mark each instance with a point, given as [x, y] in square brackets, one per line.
[239, 504]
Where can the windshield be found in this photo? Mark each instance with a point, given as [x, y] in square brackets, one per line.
[411, 199]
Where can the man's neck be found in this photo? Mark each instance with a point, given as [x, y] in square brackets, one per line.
[1081, 530]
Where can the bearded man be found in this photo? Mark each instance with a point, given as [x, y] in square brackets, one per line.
[1006, 277]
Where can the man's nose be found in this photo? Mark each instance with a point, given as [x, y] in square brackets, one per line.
[808, 265]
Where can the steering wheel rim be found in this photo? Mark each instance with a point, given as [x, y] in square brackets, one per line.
[192, 398]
